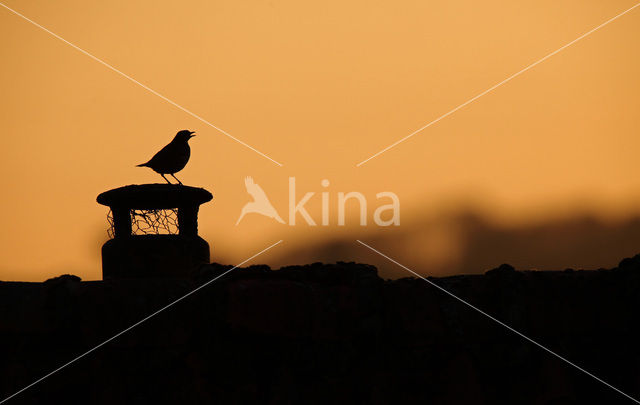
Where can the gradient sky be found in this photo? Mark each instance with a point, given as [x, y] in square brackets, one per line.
[318, 87]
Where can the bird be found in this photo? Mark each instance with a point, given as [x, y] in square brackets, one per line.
[173, 157]
[260, 203]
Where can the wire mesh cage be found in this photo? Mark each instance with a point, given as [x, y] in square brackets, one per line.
[149, 222]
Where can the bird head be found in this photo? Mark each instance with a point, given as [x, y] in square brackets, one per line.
[184, 135]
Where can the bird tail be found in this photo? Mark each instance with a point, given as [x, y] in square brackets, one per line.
[277, 217]
[241, 216]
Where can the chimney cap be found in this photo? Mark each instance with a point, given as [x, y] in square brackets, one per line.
[154, 196]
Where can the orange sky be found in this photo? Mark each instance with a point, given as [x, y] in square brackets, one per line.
[319, 88]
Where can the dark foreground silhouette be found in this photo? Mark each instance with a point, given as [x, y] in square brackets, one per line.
[321, 334]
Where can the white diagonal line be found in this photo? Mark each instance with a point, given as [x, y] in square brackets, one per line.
[137, 323]
[495, 86]
[499, 322]
[140, 84]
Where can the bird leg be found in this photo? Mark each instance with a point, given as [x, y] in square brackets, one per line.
[165, 178]
[172, 175]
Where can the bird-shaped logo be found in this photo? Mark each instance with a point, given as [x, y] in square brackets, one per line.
[173, 157]
[260, 203]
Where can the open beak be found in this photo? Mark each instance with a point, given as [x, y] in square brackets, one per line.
[191, 134]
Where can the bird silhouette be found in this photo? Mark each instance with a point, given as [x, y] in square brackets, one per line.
[260, 203]
[173, 157]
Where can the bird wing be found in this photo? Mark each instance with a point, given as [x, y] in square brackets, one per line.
[255, 191]
[170, 159]
[162, 156]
